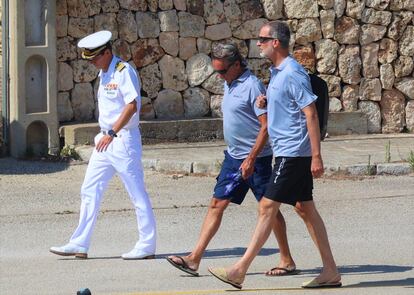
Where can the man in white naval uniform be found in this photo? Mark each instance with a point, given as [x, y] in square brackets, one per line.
[117, 150]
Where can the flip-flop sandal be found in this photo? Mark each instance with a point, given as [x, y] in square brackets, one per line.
[286, 272]
[221, 274]
[315, 285]
[183, 266]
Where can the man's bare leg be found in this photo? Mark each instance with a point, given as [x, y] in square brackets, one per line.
[209, 228]
[265, 221]
[317, 231]
[286, 261]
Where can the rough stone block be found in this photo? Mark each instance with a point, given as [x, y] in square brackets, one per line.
[394, 169]
[343, 123]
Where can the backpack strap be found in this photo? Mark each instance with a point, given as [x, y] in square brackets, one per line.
[310, 72]
[320, 89]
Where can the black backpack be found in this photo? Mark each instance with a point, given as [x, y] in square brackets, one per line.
[320, 89]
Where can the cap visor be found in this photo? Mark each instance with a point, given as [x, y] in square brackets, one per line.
[88, 57]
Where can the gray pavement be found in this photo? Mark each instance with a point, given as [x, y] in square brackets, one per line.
[369, 221]
[346, 154]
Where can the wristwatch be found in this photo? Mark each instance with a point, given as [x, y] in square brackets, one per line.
[112, 133]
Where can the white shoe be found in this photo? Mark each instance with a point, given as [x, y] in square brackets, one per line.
[136, 254]
[70, 250]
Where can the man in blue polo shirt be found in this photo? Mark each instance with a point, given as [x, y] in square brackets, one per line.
[295, 136]
[248, 158]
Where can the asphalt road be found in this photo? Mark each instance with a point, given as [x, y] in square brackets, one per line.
[369, 220]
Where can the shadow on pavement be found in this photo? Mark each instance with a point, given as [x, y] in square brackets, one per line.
[408, 283]
[355, 270]
[90, 258]
[18, 167]
[363, 269]
[209, 254]
[373, 269]
[223, 253]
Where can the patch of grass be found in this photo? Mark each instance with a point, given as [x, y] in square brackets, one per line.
[388, 152]
[69, 152]
[370, 168]
[410, 160]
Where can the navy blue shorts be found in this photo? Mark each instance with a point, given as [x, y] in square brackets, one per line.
[228, 189]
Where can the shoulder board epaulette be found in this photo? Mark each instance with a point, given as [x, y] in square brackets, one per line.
[120, 66]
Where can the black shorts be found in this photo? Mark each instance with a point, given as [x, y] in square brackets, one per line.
[291, 180]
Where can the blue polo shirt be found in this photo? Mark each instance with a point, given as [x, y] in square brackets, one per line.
[240, 123]
[289, 91]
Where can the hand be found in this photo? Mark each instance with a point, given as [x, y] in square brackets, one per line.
[247, 168]
[104, 143]
[317, 166]
[261, 101]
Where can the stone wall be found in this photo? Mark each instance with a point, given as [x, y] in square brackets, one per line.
[363, 49]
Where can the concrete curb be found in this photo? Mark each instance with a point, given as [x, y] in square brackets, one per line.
[394, 169]
[212, 166]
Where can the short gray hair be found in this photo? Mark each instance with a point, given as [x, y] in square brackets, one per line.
[280, 31]
[228, 52]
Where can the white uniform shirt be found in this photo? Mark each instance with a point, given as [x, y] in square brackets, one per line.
[117, 88]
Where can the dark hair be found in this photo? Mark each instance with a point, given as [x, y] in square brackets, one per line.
[228, 52]
[280, 31]
[108, 46]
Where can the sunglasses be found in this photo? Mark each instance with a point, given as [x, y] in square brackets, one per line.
[99, 55]
[224, 71]
[265, 39]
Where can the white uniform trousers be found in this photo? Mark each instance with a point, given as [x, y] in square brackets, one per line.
[123, 156]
